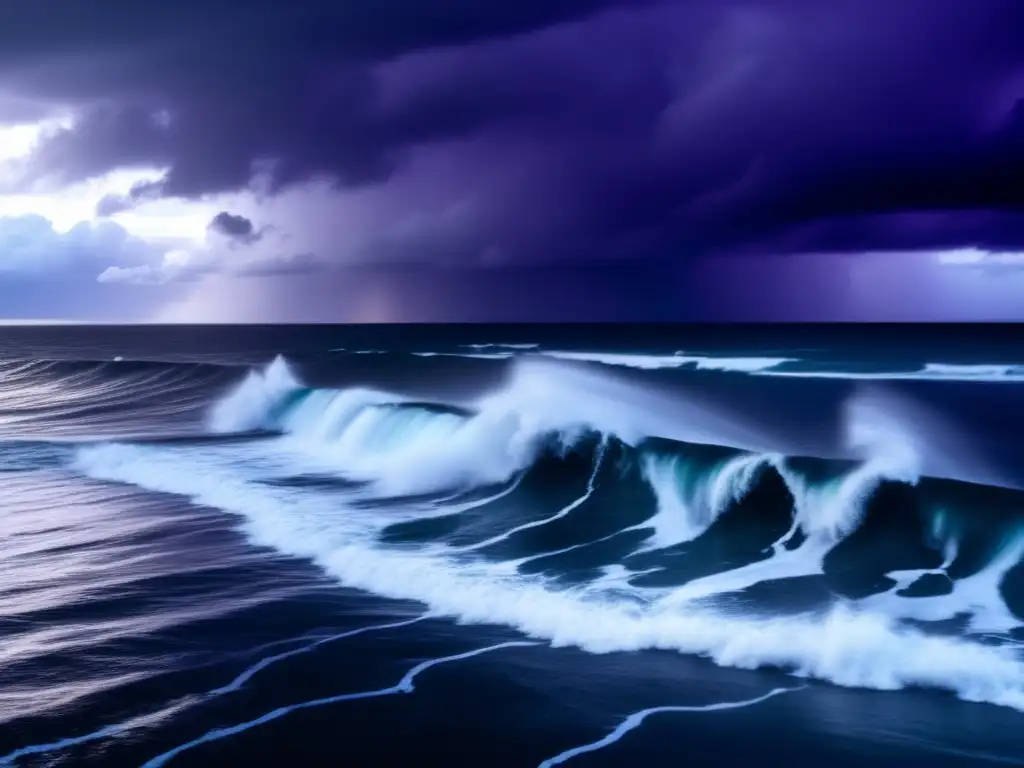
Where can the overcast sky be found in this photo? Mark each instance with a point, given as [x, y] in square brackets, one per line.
[449, 160]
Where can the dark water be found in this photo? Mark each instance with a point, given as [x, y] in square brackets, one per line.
[521, 546]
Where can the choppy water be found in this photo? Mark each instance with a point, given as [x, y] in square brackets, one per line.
[510, 546]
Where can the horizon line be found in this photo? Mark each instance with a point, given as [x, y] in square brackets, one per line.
[57, 323]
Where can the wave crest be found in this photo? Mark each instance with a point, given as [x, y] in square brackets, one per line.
[593, 422]
[410, 447]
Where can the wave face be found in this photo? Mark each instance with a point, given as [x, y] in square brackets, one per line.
[590, 510]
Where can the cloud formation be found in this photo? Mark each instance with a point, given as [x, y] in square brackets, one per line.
[34, 252]
[31, 247]
[535, 133]
[237, 229]
[973, 258]
[48, 273]
[140, 192]
[171, 267]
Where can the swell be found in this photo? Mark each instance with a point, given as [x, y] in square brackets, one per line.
[62, 397]
[26, 369]
[38, 385]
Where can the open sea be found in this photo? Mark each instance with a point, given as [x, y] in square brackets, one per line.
[512, 546]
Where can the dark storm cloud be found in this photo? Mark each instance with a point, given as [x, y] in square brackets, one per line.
[582, 130]
[357, 28]
[236, 228]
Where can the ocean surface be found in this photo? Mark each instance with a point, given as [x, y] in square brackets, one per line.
[512, 545]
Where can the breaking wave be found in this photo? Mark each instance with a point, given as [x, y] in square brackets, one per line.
[576, 508]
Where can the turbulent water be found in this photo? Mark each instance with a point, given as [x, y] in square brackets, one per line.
[219, 541]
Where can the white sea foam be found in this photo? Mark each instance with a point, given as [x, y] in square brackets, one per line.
[360, 433]
[690, 497]
[248, 405]
[855, 644]
[771, 366]
[468, 355]
[929, 372]
[753, 365]
[848, 647]
[563, 512]
[502, 346]
[977, 597]
[678, 360]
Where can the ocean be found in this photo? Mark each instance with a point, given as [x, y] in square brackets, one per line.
[512, 545]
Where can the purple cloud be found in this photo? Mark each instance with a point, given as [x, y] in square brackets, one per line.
[31, 247]
[237, 229]
[568, 132]
[141, 192]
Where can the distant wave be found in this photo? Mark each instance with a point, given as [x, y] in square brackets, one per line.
[502, 346]
[787, 367]
[678, 360]
[930, 371]
[770, 366]
[506, 351]
[471, 355]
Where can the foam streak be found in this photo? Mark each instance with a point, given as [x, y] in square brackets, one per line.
[234, 685]
[262, 664]
[637, 718]
[405, 685]
[446, 510]
[563, 550]
[591, 485]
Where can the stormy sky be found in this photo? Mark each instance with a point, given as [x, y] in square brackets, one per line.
[450, 160]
